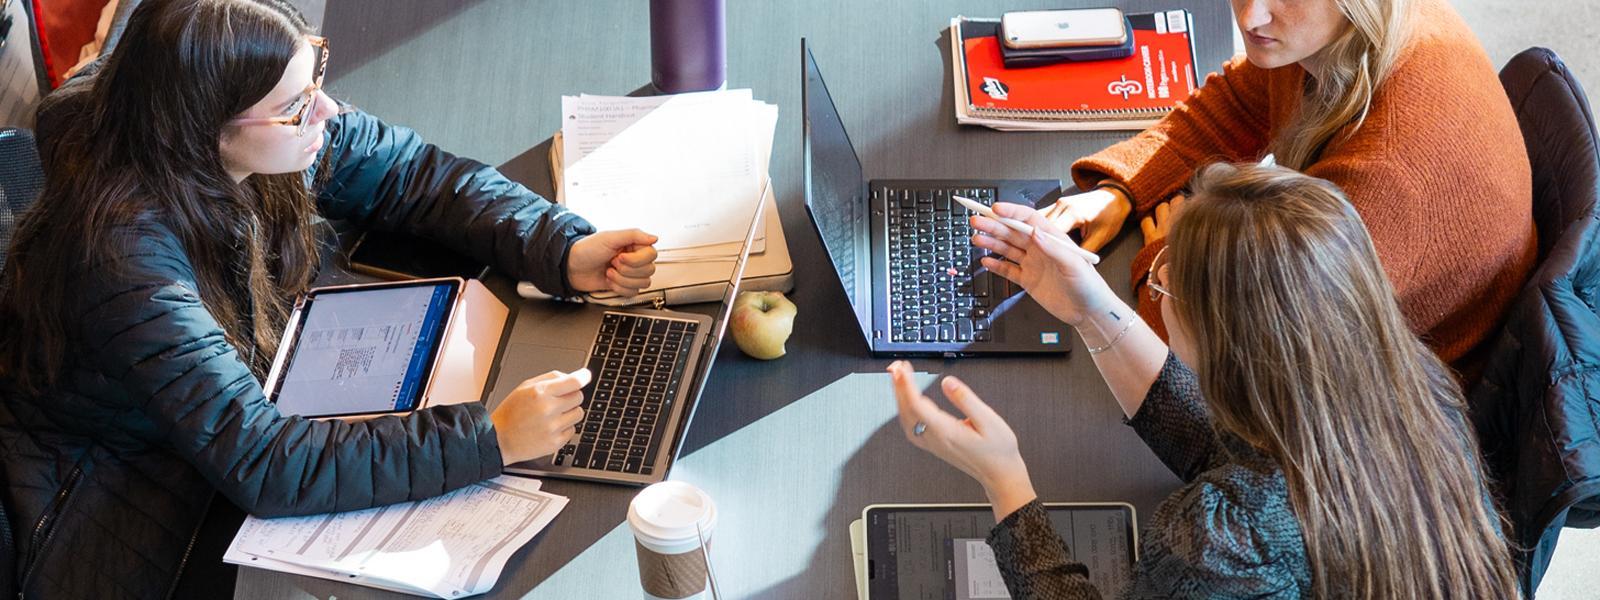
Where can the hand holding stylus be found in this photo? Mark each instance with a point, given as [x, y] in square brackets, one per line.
[1024, 228]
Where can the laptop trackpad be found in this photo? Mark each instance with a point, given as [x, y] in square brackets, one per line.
[523, 361]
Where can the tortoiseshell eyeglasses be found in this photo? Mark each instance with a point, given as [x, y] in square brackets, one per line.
[300, 112]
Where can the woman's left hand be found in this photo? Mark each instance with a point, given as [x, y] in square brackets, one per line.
[1156, 224]
[617, 261]
[982, 445]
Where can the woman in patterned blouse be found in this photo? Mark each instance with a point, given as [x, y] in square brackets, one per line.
[1323, 447]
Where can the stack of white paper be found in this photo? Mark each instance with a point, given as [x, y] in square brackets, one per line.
[451, 546]
[688, 168]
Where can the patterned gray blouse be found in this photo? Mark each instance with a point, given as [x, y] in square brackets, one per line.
[1228, 532]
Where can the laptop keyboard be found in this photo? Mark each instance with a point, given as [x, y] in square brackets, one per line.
[638, 364]
[929, 234]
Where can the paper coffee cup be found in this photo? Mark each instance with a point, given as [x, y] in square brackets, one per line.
[672, 563]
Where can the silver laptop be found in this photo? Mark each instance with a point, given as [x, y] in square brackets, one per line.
[649, 367]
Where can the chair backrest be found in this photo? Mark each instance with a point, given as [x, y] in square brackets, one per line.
[21, 180]
[1537, 407]
[1558, 129]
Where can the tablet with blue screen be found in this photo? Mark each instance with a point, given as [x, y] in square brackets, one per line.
[362, 350]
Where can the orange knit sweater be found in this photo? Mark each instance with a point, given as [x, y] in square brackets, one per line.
[1438, 172]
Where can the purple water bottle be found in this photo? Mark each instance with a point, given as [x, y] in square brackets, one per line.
[688, 45]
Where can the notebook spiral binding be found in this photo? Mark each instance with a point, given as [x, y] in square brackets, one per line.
[1055, 115]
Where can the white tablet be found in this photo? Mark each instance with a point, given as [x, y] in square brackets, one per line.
[939, 552]
[362, 350]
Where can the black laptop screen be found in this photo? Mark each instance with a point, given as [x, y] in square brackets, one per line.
[834, 186]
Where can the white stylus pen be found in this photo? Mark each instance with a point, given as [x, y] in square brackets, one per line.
[1024, 228]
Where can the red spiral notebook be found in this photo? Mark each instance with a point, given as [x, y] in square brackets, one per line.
[1123, 93]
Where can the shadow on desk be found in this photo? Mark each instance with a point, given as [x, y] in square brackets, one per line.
[835, 545]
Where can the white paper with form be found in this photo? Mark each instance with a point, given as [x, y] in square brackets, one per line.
[451, 546]
[589, 120]
[683, 167]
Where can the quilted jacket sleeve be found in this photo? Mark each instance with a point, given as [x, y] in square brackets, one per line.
[144, 327]
[385, 177]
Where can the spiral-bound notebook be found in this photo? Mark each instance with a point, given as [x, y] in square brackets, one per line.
[1124, 93]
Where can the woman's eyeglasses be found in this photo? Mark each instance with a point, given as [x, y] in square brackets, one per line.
[1157, 290]
[307, 104]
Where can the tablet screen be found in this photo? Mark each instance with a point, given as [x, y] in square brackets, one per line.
[939, 553]
[364, 350]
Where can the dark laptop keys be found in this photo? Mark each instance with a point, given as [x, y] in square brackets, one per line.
[639, 362]
[929, 236]
[657, 402]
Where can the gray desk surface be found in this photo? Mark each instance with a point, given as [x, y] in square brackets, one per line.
[790, 449]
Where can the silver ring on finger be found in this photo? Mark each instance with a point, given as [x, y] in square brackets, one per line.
[919, 428]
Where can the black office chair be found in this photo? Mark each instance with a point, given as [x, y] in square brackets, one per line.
[1537, 407]
[21, 179]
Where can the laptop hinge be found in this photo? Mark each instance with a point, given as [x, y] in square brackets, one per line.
[659, 302]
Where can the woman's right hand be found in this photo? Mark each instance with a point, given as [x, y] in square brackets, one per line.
[1054, 275]
[540, 416]
[1099, 213]
[981, 444]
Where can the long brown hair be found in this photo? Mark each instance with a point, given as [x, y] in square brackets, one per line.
[1350, 69]
[1303, 353]
[142, 142]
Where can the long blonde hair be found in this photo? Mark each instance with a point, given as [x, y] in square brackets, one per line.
[1349, 72]
[1304, 354]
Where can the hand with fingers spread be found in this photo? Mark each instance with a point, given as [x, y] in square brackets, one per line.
[981, 445]
[1098, 213]
[615, 261]
[1156, 224]
[540, 416]
[1043, 263]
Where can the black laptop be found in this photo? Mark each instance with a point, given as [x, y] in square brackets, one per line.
[894, 242]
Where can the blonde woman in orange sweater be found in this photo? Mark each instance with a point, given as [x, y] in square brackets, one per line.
[1393, 100]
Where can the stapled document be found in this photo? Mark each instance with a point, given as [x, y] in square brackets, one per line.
[450, 546]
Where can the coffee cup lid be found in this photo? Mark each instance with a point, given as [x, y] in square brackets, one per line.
[664, 516]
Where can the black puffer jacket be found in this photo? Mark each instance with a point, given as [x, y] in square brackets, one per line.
[1537, 408]
[109, 477]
